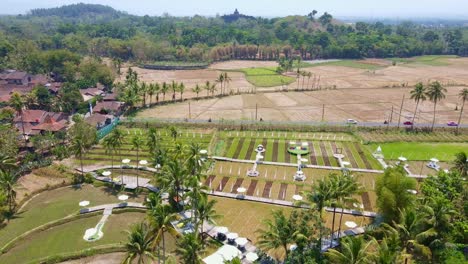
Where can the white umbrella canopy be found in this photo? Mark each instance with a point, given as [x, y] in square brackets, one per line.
[434, 160]
[241, 190]
[84, 203]
[402, 159]
[350, 224]
[123, 197]
[106, 173]
[203, 151]
[241, 241]
[251, 256]
[126, 161]
[232, 236]
[305, 144]
[143, 162]
[214, 259]
[297, 197]
[229, 252]
[292, 143]
[346, 163]
[222, 230]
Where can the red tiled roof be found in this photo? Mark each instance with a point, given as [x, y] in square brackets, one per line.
[96, 119]
[50, 124]
[31, 116]
[39, 79]
[108, 105]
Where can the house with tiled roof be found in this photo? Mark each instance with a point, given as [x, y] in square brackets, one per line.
[16, 77]
[36, 121]
[109, 107]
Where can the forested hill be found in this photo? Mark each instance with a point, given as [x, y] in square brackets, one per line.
[77, 11]
[101, 31]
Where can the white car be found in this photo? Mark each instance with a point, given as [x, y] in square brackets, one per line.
[351, 121]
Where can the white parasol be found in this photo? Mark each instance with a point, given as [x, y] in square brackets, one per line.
[241, 241]
[434, 160]
[350, 224]
[346, 163]
[251, 256]
[143, 162]
[232, 236]
[297, 197]
[203, 151]
[222, 230]
[126, 161]
[106, 173]
[84, 203]
[123, 197]
[403, 159]
[241, 190]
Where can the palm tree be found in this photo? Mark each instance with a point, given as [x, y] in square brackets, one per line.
[227, 79]
[143, 90]
[279, 233]
[206, 212]
[164, 90]
[173, 177]
[196, 89]
[110, 146]
[181, 90]
[303, 74]
[220, 80]
[409, 227]
[435, 93]
[174, 88]
[152, 140]
[7, 184]
[137, 143]
[160, 218]
[17, 103]
[7, 163]
[461, 164]
[139, 245]
[418, 94]
[309, 75]
[190, 249]
[463, 96]
[78, 147]
[157, 91]
[353, 250]
[151, 91]
[118, 138]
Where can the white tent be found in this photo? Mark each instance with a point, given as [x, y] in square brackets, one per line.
[214, 259]
[229, 252]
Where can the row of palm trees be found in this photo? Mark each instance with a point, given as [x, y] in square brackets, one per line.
[180, 176]
[8, 177]
[336, 191]
[435, 92]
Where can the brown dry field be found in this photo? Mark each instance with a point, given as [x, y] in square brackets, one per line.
[364, 95]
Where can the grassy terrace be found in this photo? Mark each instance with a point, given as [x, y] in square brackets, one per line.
[397, 136]
[429, 60]
[349, 63]
[420, 151]
[276, 182]
[266, 77]
[241, 145]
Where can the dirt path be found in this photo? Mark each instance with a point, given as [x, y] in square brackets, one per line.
[275, 151]
[266, 189]
[282, 191]
[250, 149]
[287, 156]
[239, 148]
[222, 184]
[366, 201]
[324, 154]
[298, 189]
[252, 186]
[363, 157]
[312, 156]
[350, 156]
[209, 179]
[236, 185]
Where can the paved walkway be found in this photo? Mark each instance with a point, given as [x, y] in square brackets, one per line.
[91, 168]
[295, 165]
[107, 207]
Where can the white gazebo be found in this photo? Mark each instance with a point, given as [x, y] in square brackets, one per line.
[350, 224]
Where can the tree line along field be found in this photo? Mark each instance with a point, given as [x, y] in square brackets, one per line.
[242, 145]
[276, 182]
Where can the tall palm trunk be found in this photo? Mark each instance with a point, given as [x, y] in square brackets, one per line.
[461, 113]
[22, 126]
[164, 247]
[303, 79]
[433, 119]
[414, 116]
[341, 221]
[81, 163]
[138, 163]
[333, 227]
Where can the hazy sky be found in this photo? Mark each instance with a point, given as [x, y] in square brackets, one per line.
[267, 8]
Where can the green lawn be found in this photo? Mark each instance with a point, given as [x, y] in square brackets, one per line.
[68, 238]
[349, 63]
[420, 151]
[266, 77]
[53, 205]
[430, 60]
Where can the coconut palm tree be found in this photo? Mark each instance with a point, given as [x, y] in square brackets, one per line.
[409, 227]
[418, 94]
[190, 248]
[173, 178]
[152, 140]
[461, 164]
[436, 93]
[174, 88]
[353, 250]
[309, 75]
[181, 90]
[279, 233]
[118, 138]
[151, 91]
[143, 91]
[137, 143]
[139, 244]
[220, 80]
[463, 96]
[17, 103]
[78, 147]
[157, 91]
[164, 90]
[196, 89]
[160, 218]
[110, 146]
[7, 163]
[227, 79]
[206, 211]
[7, 184]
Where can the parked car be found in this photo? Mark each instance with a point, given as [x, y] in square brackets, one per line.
[408, 123]
[351, 121]
[452, 123]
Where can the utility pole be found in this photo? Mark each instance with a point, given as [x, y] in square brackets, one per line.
[256, 111]
[391, 118]
[189, 111]
[323, 112]
[401, 109]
